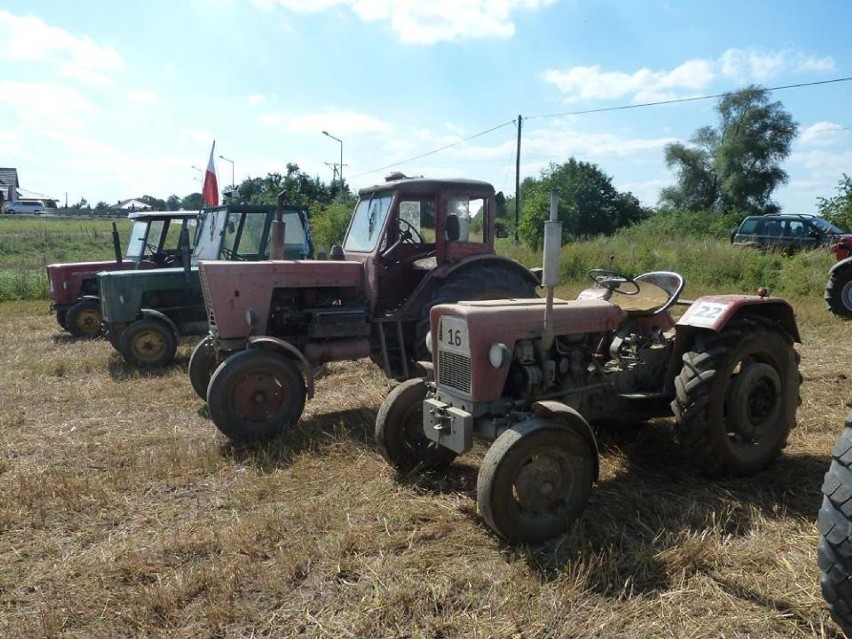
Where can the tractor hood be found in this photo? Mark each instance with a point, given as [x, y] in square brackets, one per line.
[125, 294]
[66, 280]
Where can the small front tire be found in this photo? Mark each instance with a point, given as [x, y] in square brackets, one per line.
[535, 480]
[83, 319]
[838, 291]
[399, 431]
[255, 395]
[202, 363]
[148, 343]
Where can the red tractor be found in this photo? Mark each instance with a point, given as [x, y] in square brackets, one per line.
[838, 290]
[536, 376]
[412, 243]
[155, 242]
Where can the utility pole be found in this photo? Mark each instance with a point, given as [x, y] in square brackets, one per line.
[326, 133]
[518, 182]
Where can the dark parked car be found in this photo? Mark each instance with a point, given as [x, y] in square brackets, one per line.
[784, 232]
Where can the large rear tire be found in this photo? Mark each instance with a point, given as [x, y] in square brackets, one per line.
[535, 480]
[838, 291]
[256, 395]
[84, 319]
[834, 552]
[202, 364]
[736, 397]
[148, 343]
[399, 431]
[486, 282]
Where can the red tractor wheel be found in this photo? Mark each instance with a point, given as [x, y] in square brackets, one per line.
[399, 430]
[838, 291]
[148, 343]
[535, 480]
[736, 397]
[84, 318]
[255, 395]
[202, 363]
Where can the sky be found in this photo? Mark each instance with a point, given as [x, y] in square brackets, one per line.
[122, 99]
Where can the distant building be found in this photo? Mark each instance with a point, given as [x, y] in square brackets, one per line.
[134, 205]
[9, 185]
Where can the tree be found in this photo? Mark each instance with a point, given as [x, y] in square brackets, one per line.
[191, 202]
[155, 203]
[736, 165]
[173, 202]
[329, 224]
[838, 209]
[588, 203]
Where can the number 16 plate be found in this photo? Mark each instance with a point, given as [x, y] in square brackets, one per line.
[452, 335]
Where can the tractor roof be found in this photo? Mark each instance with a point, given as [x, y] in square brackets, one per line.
[397, 180]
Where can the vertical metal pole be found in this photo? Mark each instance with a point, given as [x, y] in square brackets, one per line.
[341, 167]
[518, 181]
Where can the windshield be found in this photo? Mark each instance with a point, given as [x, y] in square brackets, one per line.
[367, 223]
[827, 227]
[209, 235]
[136, 245]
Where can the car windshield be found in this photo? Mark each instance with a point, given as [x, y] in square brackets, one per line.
[827, 227]
[367, 224]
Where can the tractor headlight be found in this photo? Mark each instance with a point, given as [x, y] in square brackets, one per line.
[251, 317]
[429, 341]
[499, 355]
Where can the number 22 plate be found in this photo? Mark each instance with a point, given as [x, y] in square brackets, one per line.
[704, 313]
[452, 335]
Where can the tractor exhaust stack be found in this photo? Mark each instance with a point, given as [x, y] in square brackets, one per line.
[550, 274]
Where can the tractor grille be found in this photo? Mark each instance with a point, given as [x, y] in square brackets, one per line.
[454, 371]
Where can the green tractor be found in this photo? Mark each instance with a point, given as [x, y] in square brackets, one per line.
[145, 312]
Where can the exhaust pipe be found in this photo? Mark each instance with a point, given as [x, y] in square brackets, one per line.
[116, 245]
[277, 252]
[550, 275]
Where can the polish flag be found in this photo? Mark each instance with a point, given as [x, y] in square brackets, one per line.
[210, 191]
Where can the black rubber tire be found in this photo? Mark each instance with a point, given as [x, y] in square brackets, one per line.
[736, 397]
[399, 431]
[486, 282]
[256, 395]
[148, 343]
[203, 361]
[61, 316]
[83, 319]
[535, 480]
[838, 291]
[834, 552]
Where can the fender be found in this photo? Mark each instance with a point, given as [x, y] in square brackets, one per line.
[570, 418]
[150, 313]
[97, 298]
[714, 312]
[275, 344]
[840, 265]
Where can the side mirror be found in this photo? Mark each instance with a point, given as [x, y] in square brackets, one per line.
[500, 201]
[500, 230]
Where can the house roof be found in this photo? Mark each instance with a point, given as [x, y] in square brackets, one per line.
[134, 204]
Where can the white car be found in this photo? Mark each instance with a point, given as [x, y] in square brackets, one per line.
[30, 206]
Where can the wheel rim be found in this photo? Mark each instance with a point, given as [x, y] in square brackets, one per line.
[258, 396]
[846, 295]
[754, 404]
[543, 483]
[88, 321]
[148, 345]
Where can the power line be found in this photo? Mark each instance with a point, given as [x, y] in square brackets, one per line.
[642, 105]
[428, 153]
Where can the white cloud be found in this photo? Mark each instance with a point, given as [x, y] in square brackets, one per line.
[821, 134]
[646, 85]
[428, 21]
[254, 99]
[30, 39]
[141, 96]
[338, 123]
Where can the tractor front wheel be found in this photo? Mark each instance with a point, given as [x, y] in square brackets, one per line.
[61, 317]
[202, 363]
[83, 319]
[736, 397]
[834, 552]
[148, 343]
[838, 291]
[399, 430]
[255, 395]
[535, 480]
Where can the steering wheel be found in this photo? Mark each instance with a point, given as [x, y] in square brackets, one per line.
[409, 233]
[614, 281]
[230, 255]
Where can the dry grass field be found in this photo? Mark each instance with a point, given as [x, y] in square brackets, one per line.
[123, 513]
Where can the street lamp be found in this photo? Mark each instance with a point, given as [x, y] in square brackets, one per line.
[233, 184]
[341, 157]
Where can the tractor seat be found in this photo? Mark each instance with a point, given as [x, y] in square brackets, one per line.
[658, 290]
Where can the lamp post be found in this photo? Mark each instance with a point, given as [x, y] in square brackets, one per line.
[326, 133]
[197, 179]
[233, 184]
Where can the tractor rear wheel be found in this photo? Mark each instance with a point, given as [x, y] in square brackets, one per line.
[838, 291]
[202, 363]
[475, 283]
[60, 318]
[255, 395]
[736, 397]
[834, 552]
[399, 431]
[148, 343]
[84, 318]
[535, 480]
